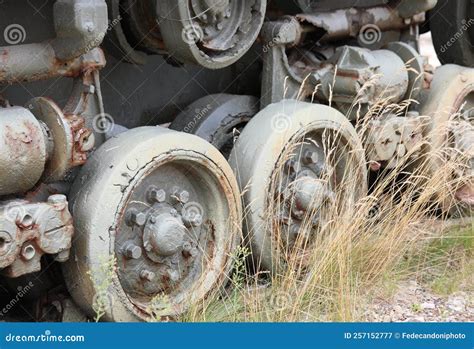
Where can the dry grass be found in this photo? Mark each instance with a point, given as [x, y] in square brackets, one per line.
[396, 231]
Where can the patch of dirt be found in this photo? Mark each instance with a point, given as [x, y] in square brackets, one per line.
[414, 303]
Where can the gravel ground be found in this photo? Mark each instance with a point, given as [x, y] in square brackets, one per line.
[414, 303]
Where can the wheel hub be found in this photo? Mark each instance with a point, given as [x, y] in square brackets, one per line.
[306, 187]
[158, 245]
[164, 235]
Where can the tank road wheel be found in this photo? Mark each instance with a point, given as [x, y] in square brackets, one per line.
[210, 33]
[450, 104]
[452, 29]
[217, 118]
[157, 217]
[291, 163]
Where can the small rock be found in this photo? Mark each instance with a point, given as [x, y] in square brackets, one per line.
[428, 305]
[456, 304]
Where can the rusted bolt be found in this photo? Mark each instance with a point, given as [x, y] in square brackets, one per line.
[137, 218]
[131, 251]
[28, 252]
[147, 275]
[310, 157]
[157, 195]
[86, 141]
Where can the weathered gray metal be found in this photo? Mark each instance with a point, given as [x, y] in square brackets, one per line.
[29, 230]
[350, 74]
[80, 27]
[392, 139]
[450, 104]
[176, 243]
[72, 140]
[211, 33]
[358, 75]
[25, 148]
[265, 158]
[348, 22]
[217, 118]
[278, 78]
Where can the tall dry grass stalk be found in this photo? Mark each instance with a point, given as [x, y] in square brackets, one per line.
[358, 241]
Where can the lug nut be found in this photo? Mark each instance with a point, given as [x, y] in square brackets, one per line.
[310, 157]
[157, 195]
[132, 251]
[180, 196]
[192, 220]
[189, 250]
[137, 218]
[147, 275]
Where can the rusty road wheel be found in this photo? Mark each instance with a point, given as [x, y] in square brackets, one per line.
[450, 104]
[292, 162]
[218, 119]
[211, 33]
[157, 217]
